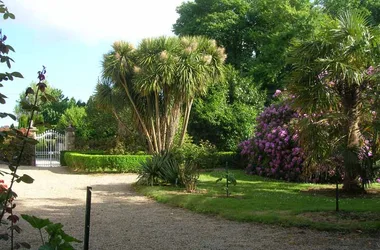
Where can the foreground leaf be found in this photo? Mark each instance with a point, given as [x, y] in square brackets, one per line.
[36, 222]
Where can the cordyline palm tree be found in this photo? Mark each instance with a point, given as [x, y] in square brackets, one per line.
[331, 81]
[160, 79]
[118, 69]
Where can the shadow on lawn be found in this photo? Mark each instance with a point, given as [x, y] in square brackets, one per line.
[330, 192]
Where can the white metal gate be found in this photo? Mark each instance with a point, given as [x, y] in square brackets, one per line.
[49, 147]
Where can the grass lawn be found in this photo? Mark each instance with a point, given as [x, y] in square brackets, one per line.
[274, 202]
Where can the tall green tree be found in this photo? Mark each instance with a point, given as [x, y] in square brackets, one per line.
[369, 7]
[332, 80]
[51, 110]
[108, 115]
[255, 33]
[226, 115]
[160, 80]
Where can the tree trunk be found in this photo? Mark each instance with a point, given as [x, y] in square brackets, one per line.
[186, 120]
[158, 125]
[154, 136]
[351, 154]
[145, 130]
[121, 127]
[173, 125]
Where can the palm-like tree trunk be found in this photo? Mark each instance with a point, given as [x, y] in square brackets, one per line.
[186, 120]
[145, 130]
[351, 157]
[158, 124]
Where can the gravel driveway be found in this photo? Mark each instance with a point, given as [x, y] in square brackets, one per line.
[122, 219]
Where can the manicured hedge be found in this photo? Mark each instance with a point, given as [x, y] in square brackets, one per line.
[96, 161]
[90, 152]
[103, 163]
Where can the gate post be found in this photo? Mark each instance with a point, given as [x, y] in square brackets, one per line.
[70, 138]
[32, 134]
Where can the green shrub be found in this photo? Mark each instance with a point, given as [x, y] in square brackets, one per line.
[10, 147]
[189, 173]
[171, 171]
[163, 168]
[100, 163]
[150, 171]
[200, 155]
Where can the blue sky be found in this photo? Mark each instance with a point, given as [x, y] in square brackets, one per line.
[69, 37]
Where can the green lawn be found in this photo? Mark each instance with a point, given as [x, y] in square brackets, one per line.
[262, 200]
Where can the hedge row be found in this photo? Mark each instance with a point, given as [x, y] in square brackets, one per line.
[103, 163]
[231, 158]
[98, 162]
[89, 152]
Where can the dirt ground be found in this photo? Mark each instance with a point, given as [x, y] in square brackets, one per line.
[122, 219]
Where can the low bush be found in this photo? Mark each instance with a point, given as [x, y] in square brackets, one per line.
[104, 163]
[205, 156]
[12, 145]
[168, 168]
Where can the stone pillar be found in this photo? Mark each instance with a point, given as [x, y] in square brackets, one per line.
[70, 138]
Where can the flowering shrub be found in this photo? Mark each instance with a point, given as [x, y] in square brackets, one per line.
[274, 150]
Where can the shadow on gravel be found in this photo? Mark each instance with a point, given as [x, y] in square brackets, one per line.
[148, 225]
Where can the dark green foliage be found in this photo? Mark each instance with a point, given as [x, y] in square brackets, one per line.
[205, 156]
[227, 113]
[170, 168]
[11, 145]
[224, 21]
[105, 131]
[256, 34]
[335, 7]
[51, 110]
[199, 155]
[230, 158]
[100, 163]
[170, 172]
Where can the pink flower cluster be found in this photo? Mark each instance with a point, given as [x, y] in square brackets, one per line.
[274, 150]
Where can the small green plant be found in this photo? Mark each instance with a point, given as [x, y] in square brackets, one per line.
[151, 169]
[189, 175]
[230, 179]
[164, 168]
[57, 238]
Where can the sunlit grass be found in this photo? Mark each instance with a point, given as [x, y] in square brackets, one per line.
[263, 200]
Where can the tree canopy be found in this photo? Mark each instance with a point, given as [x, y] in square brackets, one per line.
[334, 84]
[159, 81]
[256, 38]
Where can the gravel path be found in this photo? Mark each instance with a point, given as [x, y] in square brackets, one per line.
[122, 219]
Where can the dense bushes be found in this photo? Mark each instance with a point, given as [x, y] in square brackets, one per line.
[100, 163]
[12, 144]
[206, 156]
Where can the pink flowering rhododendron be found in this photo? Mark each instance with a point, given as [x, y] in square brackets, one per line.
[274, 150]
